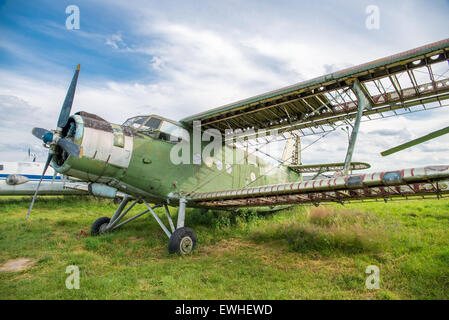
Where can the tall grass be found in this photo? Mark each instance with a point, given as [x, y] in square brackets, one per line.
[330, 230]
[297, 253]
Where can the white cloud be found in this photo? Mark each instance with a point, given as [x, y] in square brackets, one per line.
[115, 40]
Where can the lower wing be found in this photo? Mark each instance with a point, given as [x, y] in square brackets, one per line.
[405, 184]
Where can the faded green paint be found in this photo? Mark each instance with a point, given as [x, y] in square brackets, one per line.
[154, 177]
[162, 177]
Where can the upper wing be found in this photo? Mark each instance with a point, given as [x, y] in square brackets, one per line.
[406, 82]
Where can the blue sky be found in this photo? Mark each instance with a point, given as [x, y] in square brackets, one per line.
[177, 58]
[38, 39]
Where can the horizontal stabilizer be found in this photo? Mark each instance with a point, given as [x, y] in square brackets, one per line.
[328, 167]
[414, 142]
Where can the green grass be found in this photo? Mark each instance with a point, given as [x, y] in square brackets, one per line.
[298, 253]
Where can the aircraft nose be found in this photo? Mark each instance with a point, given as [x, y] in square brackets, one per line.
[104, 144]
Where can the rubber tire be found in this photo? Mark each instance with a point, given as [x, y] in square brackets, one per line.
[95, 229]
[176, 237]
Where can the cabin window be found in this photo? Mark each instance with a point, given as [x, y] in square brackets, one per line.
[144, 124]
[1, 167]
[157, 128]
[153, 123]
[135, 122]
[119, 138]
[150, 127]
[170, 132]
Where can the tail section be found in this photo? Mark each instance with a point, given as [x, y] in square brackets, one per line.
[292, 151]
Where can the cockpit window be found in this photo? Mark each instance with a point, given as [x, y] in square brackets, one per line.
[143, 123]
[153, 123]
[150, 127]
[171, 130]
[135, 122]
[157, 128]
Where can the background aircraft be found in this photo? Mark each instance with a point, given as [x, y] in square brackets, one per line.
[22, 178]
[136, 158]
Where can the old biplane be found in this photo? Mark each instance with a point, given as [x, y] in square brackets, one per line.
[136, 158]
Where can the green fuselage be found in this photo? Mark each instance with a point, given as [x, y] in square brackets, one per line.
[151, 174]
[151, 169]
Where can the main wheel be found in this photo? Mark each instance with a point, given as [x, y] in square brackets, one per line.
[98, 226]
[182, 241]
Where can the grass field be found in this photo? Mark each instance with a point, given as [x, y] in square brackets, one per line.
[298, 253]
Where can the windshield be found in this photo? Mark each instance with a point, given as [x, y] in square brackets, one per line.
[143, 123]
[157, 128]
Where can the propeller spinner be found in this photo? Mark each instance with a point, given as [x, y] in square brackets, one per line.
[53, 138]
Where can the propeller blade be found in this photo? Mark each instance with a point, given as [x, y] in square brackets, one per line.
[38, 133]
[50, 156]
[70, 147]
[414, 142]
[67, 105]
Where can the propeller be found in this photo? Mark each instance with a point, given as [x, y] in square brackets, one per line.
[39, 132]
[53, 138]
[427, 137]
[47, 163]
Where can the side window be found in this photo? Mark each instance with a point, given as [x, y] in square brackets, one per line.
[164, 136]
[119, 139]
[138, 122]
[135, 122]
[149, 127]
[153, 123]
[1, 167]
[170, 132]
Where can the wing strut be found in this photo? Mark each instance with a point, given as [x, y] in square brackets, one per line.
[363, 103]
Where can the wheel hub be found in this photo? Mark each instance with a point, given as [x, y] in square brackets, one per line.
[103, 228]
[186, 245]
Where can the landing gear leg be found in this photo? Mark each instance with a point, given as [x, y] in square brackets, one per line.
[182, 240]
[105, 224]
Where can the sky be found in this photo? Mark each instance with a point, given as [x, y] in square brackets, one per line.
[178, 58]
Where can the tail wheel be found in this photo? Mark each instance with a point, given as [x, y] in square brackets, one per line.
[98, 226]
[182, 241]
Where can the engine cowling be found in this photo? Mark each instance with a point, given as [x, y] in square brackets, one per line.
[16, 179]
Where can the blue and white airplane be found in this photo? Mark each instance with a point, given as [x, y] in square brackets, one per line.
[22, 178]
